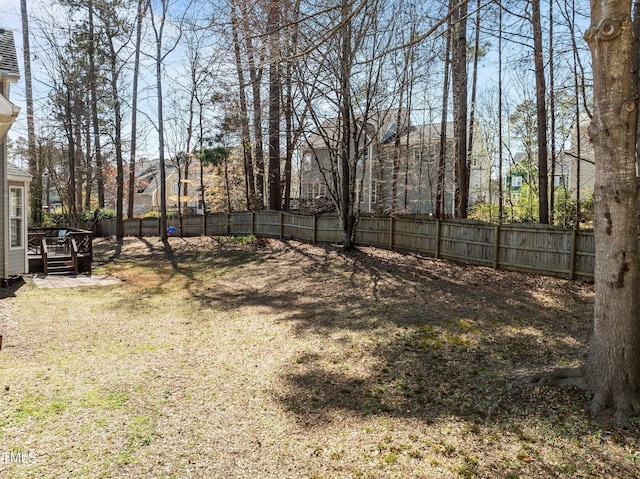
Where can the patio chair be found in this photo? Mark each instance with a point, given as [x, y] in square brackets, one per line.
[61, 240]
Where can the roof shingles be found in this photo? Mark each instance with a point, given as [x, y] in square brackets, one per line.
[8, 57]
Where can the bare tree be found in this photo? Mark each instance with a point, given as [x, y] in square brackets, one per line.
[140, 14]
[35, 168]
[116, 32]
[275, 91]
[158, 25]
[459, 86]
[250, 180]
[440, 196]
[94, 104]
[541, 114]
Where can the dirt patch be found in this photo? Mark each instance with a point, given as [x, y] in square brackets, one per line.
[236, 358]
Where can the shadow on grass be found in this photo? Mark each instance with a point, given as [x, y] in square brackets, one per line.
[438, 339]
[382, 334]
[12, 288]
[400, 335]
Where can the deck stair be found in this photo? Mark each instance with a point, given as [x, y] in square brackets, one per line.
[61, 265]
[60, 251]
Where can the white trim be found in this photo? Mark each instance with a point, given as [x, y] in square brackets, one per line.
[22, 217]
[375, 193]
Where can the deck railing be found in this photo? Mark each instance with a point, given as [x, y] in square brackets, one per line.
[47, 244]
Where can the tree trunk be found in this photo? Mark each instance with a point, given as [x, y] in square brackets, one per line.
[459, 83]
[442, 154]
[159, 32]
[346, 214]
[244, 117]
[614, 363]
[500, 159]
[94, 109]
[474, 90]
[255, 76]
[78, 106]
[289, 108]
[36, 173]
[275, 201]
[142, 9]
[71, 191]
[117, 139]
[541, 112]
[552, 126]
[88, 169]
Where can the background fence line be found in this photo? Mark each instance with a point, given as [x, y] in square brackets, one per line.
[529, 248]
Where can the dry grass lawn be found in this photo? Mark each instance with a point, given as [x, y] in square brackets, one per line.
[267, 359]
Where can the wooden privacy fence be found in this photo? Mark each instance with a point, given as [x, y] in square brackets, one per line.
[517, 247]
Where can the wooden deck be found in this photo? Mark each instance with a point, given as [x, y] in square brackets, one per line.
[60, 250]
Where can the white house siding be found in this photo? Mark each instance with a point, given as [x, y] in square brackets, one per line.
[9, 73]
[4, 235]
[18, 263]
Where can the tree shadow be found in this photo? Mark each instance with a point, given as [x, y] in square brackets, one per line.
[388, 335]
[433, 338]
[12, 287]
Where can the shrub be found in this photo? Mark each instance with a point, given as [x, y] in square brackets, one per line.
[98, 214]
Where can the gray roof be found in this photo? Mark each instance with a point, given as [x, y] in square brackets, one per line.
[327, 135]
[14, 172]
[429, 134]
[8, 57]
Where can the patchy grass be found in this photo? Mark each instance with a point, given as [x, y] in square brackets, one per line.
[274, 359]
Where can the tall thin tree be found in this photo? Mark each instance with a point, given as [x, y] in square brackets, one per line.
[34, 167]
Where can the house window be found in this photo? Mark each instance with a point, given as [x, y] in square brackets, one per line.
[516, 181]
[418, 155]
[374, 191]
[318, 190]
[306, 161]
[561, 180]
[16, 215]
[174, 187]
[307, 190]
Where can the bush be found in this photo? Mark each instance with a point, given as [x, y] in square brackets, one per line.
[98, 214]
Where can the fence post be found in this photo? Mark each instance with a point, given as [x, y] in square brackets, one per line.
[496, 247]
[391, 232]
[281, 225]
[572, 253]
[140, 228]
[315, 227]
[437, 251]
[228, 225]
[253, 222]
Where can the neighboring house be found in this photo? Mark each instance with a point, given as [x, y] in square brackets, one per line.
[573, 172]
[568, 164]
[417, 167]
[147, 195]
[14, 182]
